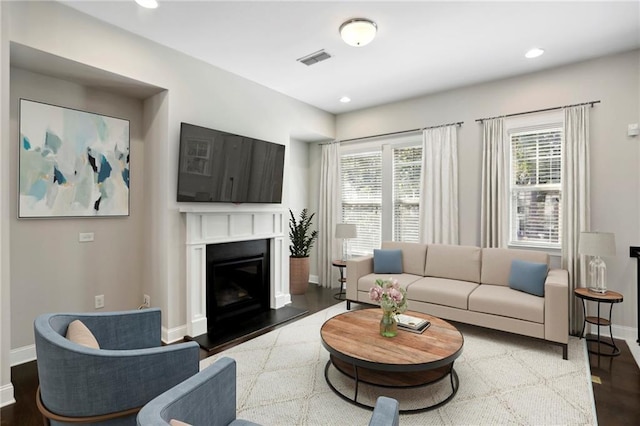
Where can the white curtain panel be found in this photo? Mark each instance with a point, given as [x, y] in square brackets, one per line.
[329, 214]
[494, 216]
[576, 215]
[439, 186]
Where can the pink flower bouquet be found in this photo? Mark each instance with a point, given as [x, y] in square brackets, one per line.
[390, 295]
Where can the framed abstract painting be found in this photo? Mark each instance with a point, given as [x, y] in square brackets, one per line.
[72, 163]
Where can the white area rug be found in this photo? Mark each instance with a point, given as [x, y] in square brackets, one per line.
[504, 379]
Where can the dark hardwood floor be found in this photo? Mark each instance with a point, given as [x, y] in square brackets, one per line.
[617, 396]
[618, 393]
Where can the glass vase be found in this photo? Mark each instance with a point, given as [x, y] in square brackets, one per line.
[388, 324]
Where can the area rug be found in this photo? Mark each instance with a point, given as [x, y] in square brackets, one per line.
[504, 379]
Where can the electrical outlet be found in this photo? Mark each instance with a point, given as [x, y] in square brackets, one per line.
[146, 301]
[99, 299]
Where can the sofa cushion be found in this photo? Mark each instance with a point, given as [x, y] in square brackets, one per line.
[78, 333]
[528, 276]
[441, 291]
[454, 262]
[365, 283]
[413, 255]
[506, 302]
[387, 261]
[496, 263]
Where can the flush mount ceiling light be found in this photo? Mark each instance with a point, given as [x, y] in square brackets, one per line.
[149, 4]
[534, 53]
[345, 99]
[358, 32]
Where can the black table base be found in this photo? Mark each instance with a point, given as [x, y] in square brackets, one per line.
[357, 371]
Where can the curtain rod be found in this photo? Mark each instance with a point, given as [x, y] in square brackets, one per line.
[537, 110]
[458, 123]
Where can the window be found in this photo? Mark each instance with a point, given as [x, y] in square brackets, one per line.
[362, 198]
[407, 163]
[381, 192]
[536, 187]
[196, 157]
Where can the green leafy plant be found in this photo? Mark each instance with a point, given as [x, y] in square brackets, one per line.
[301, 237]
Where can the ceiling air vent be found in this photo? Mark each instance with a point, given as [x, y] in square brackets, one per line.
[314, 58]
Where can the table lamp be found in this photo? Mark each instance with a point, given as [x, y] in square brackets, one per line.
[597, 244]
[346, 231]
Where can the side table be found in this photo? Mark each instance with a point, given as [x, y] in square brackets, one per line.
[609, 297]
[341, 265]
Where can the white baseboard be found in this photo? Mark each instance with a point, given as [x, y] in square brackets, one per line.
[619, 331]
[22, 355]
[630, 335]
[282, 300]
[314, 279]
[624, 332]
[6, 395]
[173, 334]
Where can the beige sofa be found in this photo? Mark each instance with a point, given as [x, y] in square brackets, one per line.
[471, 285]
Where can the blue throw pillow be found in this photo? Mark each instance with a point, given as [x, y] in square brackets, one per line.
[387, 261]
[528, 277]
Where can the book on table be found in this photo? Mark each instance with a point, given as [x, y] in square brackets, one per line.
[411, 323]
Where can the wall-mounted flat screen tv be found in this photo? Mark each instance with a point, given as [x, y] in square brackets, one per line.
[221, 167]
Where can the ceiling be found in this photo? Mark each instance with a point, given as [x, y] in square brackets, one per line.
[421, 47]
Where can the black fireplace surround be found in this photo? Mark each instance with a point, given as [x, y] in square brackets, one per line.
[237, 283]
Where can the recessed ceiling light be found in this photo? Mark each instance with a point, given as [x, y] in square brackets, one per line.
[534, 53]
[345, 99]
[149, 4]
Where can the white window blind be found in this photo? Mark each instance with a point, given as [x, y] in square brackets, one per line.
[362, 198]
[407, 163]
[536, 197]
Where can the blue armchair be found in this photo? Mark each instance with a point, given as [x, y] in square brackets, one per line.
[386, 412]
[108, 385]
[209, 399]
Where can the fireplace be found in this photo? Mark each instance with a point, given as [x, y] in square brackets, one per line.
[238, 287]
[205, 226]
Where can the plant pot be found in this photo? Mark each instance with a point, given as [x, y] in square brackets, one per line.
[298, 275]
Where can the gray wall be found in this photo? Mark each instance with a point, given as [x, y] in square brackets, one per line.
[50, 269]
[188, 90]
[615, 157]
[299, 191]
[6, 388]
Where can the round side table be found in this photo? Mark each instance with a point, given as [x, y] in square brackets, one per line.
[609, 297]
[341, 265]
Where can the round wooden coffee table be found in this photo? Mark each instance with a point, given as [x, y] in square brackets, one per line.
[358, 350]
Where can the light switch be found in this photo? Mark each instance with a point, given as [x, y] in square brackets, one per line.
[85, 237]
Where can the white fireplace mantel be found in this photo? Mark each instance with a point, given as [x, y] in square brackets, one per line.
[215, 227]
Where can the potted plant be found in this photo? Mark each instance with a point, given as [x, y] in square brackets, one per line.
[302, 239]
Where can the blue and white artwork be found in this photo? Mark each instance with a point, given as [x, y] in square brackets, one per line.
[72, 163]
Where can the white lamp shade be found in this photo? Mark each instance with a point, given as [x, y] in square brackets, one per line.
[597, 244]
[358, 32]
[346, 230]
